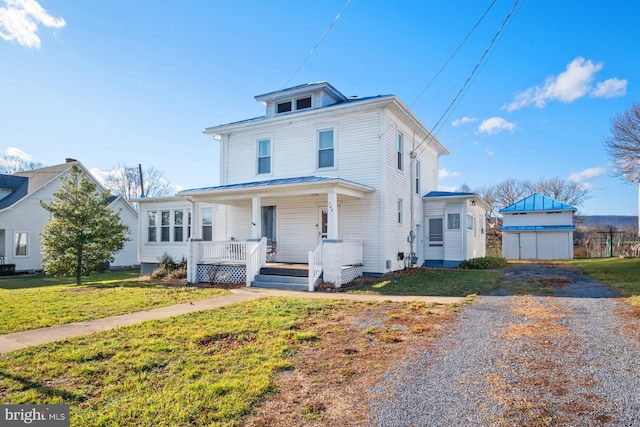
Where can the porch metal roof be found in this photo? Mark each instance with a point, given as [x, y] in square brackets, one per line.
[449, 194]
[537, 202]
[278, 182]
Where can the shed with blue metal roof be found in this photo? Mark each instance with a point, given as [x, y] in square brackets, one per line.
[538, 227]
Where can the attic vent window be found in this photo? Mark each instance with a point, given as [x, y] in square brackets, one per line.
[284, 107]
[303, 103]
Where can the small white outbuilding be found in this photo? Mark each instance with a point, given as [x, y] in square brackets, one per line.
[538, 227]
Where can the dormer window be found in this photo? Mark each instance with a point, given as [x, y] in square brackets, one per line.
[303, 103]
[299, 104]
[284, 107]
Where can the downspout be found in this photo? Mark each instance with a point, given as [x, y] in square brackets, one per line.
[412, 165]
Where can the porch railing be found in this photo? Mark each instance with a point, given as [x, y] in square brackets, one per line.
[223, 251]
[255, 259]
[315, 266]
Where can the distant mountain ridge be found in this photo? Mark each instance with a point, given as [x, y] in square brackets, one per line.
[615, 221]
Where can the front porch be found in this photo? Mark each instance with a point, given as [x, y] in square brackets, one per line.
[333, 261]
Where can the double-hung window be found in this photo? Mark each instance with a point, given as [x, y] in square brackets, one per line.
[264, 156]
[326, 149]
[165, 226]
[400, 150]
[400, 211]
[417, 177]
[207, 224]
[178, 226]
[152, 235]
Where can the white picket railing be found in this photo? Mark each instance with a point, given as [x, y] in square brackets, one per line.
[231, 251]
[315, 266]
[255, 260]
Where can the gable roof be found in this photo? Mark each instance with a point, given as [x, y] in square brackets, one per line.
[537, 203]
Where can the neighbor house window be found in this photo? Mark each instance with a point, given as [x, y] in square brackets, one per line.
[165, 226]
[400, 211]
[326, 149]
[21, 238]
[152, 235]
[400, 149]
[417, 177]
[264, 156]
[207, 224]
[453, 221]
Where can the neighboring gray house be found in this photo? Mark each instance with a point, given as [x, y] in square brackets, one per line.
[22, 218]
[538, 227]
[331, 182]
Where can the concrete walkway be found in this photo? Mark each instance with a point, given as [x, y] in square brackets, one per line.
[20, 340]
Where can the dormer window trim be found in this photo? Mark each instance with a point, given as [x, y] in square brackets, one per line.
[294, 104]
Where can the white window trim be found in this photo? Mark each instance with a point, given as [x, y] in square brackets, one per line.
[293, 102]
[257, 156]
[400, 151]
[335, 148]
[158, 216]
[15, 244]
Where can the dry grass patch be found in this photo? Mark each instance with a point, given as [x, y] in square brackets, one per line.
[354, 347]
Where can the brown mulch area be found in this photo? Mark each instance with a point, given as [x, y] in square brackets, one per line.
[356, 344]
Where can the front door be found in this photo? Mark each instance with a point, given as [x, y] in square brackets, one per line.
[269, 224]
[323, 221]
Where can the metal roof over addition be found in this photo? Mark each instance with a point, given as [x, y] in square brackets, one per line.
[537, 202]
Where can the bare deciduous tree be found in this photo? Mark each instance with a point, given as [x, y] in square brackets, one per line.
[10, 164]
[623, 145]
[124, 181]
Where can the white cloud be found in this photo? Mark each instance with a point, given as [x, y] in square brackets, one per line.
[443, 173]
[100, 175]
[573, 83]
[18, 153]
[590, 173]
[19, 21]
[489, 152]
[611, 88]
[450, 188]
[463, 121]
[495, 125]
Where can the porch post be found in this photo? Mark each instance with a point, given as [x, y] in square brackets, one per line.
[256, 218]
[196, 220]
[332, 215]
[193, 243]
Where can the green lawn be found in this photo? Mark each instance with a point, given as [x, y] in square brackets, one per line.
[29, 302]
[438, 282]
[205, 368]
[622, 274]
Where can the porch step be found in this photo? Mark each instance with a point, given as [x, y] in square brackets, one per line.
[292, 283]
[285, 270]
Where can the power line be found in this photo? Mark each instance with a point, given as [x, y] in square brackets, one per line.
[315, 46]
[471, 75]
[453, 54]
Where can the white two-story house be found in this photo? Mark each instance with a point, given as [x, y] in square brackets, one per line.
[323, 180]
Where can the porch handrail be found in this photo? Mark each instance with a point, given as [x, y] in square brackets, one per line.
[255, 260]
[315, 266]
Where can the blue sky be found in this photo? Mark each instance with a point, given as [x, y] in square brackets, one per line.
[113, 82]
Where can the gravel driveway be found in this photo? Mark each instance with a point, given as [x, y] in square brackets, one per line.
[570, 357]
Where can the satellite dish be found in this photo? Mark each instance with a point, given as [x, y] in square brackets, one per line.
[632, 176]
